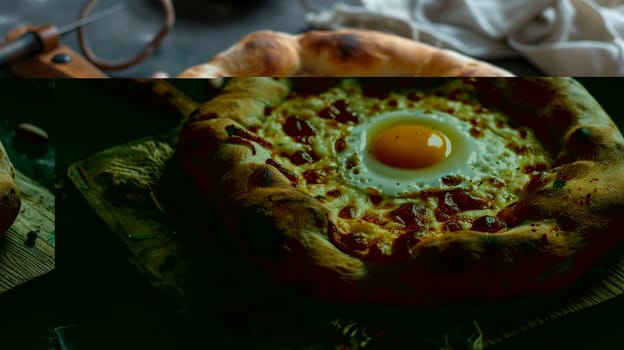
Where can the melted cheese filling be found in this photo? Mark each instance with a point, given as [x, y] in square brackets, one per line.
[313, 137]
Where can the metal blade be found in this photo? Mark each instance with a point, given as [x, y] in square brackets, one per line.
[72, 26]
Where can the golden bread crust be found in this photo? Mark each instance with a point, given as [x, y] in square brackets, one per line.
[555, 232]
[10, 201]
[348, 52]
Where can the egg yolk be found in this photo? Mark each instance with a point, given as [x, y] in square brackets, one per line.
[410, 146]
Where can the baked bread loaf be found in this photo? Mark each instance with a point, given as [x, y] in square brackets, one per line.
[10, 201]
[566, 218]
[349, 52]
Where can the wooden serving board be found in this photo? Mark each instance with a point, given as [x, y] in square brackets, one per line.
[19, 261]
[181, 270]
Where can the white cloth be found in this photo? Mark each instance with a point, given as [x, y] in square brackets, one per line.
[560, 37]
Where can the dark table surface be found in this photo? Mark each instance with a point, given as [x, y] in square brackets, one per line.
[203, 28]
[95, 298]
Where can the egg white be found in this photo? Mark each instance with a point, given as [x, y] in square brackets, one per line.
[368, 172]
